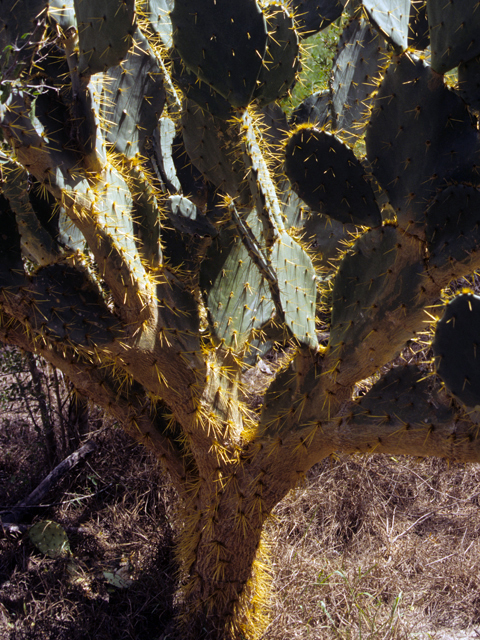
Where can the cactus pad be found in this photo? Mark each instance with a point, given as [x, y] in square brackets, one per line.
[315, 109]
[312, 16]
[418, 35]
[454, 33]
[420, 134]
[391, 18]
[281, 60]
[357, 68]
[188, 218]
[453, 220]
[50, 538]
[297, 286]
[133, 99]
[223, 43]
[105, 32]
[378, 284]
[329, 178]
[401, 395]
[456, 348]
[469, 82]
[237, 296]
[212, 147]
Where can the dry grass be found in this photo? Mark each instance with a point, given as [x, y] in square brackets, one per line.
[378, 547]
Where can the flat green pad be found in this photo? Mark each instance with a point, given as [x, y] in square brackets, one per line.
[281, 60]
[201, 93]
[105, 32]
[315, 109]
[133, 98]
[403, 394]
[469, 82]
[377, 285]
[159, 19]
[63, 13]
[50, 538]
[454, 32]
[328, 177]
[223, 43]
[420, 135]
[456, 348]
[418, 35]
[326, 238]
[357, 69]
[212, 147]
[297, 288]
[312, 16]
[237, 296]
[188, 218]
[453, 221]
[36, 242]
[391, 18]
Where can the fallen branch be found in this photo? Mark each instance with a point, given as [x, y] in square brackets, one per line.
[20, 511]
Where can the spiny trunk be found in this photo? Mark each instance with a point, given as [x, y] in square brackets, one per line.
[223, 556]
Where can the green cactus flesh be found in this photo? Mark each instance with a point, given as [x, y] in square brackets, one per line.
[457, 350]
[282, 400]
[50, 538]
[329, 178]
[391, 17]
[237, 295]
[157, 13]
[212, 147]
[188, 218]
[297, 289]
[105, 32]
[133, 99]
[223, 43]
[420, 135]
[315, 109]
[312, 16]
[469, 82]
[281, 60]
[378, 282]
[63, 13]
[201, 93]
[453, 221]
[418, 35]
[357, 68]
[454, 33]
[402, 395]
[326, 238]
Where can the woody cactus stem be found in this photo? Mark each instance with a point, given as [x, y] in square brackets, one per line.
[163, 228]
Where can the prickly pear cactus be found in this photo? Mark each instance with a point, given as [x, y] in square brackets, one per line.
[165, 224]
[50, 538]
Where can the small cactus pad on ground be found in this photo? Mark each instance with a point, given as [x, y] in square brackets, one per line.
[50, 538]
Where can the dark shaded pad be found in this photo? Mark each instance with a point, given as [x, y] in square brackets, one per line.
[312, 16]
[456, 347]
[358, 65]
[454, 32]
[328, 177]
[223, 43]
[420, 135]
